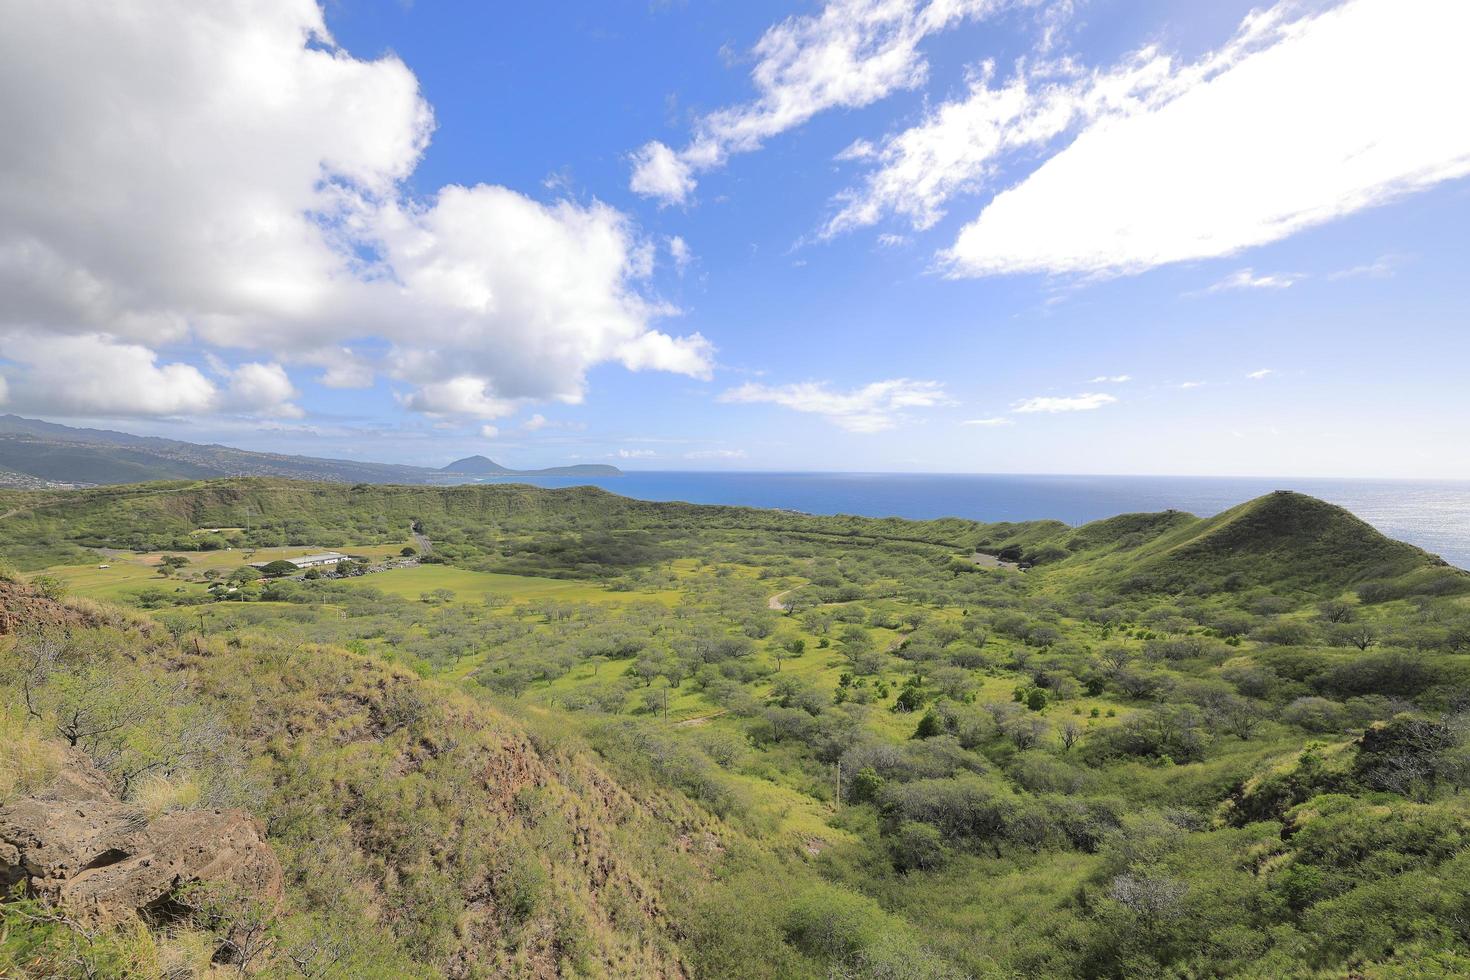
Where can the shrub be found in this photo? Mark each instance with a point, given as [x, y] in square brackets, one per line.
[917, 846]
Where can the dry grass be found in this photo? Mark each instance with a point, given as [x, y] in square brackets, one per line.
[28, 760]
[160, 794]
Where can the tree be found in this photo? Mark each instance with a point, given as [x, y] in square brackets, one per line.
[278, 568]
[793, 602]
[1360, 635]
[1115, 658]
[917, 846]
[1071, 733]
[408, 551]
[243, 924]
[865, 785]
[928, 726]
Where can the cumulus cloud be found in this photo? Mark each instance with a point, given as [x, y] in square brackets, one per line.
[1287, 129]
[95, 373]
[262, 388]
[989, 423]
[871, 408]
[467, 396]
[636, 454]
[850, 54]
[1111, 379]
[658, 172]
[489, 432]
[1085, 402]
[341, 367]
[222, 174]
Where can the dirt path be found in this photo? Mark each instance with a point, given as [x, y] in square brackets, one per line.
[774, 602]
[421, 541]
[701, 720]
[990, 561]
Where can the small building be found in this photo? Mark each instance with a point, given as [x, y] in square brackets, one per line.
[308, 561]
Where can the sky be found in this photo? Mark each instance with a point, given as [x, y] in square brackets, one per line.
[1024, 236]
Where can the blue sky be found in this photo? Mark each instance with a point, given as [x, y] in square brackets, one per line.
[1081, 236]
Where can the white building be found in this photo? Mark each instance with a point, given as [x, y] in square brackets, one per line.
[308, 561]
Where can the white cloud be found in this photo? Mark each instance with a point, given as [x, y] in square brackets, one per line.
[716, 454]
[262, 388]
[4, 390]
[959, 146]
[659, 173]
[680, 253]
[538, 422]
[95, 373]
[989, 423]
[341, 367]
[636, 453]
[651, 350]
[467, 396]
[1186, 385]
[1262, 373]
[871, 408]
[181, 173]
[1111, 379]
[489, 432]
[850, 54]
[1085, 402]
[1380, 268]
[1247, 279]
[1288, 129]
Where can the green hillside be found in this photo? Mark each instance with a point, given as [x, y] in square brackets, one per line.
[1287, 542]
[590, 736]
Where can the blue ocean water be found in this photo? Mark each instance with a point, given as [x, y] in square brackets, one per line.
[1435, 515]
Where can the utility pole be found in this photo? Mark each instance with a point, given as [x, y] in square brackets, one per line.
[839, 783]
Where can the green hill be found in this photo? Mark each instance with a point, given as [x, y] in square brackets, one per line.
[1285, 541]
[595, 736]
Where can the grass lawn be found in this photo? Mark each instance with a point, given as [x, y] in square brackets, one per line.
[115, 576]
[410, 583]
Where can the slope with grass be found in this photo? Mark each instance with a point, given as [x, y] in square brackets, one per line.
[1285, 541]
[1174, 746]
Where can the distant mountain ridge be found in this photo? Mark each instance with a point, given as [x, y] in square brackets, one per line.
[35, 454]
[484, 466]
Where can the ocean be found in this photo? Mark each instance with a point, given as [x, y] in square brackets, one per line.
[1433, 514]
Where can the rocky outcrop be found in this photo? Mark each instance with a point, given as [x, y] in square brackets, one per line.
[24, 607]
[76, 845]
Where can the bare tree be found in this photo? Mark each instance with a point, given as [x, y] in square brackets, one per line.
[244, 925]
[1071, 733]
